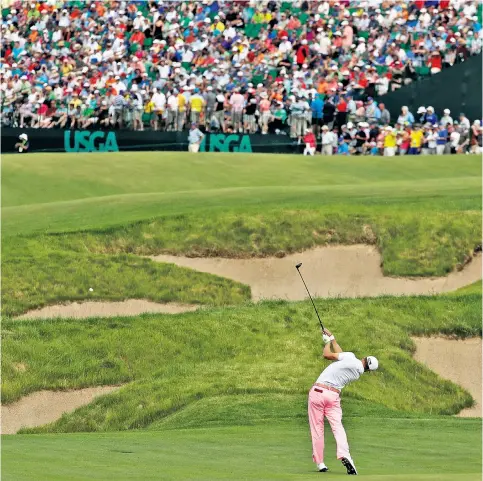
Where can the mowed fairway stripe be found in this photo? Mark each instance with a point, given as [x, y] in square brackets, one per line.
[113, 210]
[382, 449]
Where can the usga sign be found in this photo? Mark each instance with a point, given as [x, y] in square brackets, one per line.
[86, 141]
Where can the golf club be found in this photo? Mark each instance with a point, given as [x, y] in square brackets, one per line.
[298, 266]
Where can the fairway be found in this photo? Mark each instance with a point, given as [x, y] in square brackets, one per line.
[386, 449]
[220, 392]
[100, 190]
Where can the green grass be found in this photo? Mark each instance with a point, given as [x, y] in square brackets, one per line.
[30, 282]
[384, 450]
[424, 216]
[221, 394]
[60, 192]
[273, 347]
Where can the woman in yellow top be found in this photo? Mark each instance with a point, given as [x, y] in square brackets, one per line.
[417, 137]
[390, 142]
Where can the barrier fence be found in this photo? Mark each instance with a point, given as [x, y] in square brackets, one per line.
[52, 140]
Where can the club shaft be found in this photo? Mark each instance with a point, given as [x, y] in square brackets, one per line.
[307, 289]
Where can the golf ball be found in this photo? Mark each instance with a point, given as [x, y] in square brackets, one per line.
[90, 289]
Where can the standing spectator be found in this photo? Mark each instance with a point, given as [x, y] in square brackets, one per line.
[405, 140]
[237, 103]
[317, 106]
[182, 108]
[361, 138]
[210, 102]
[265, 113]
[406, 117]
[197, 104]
[219, 114]
[431, 139]
[310, 142]
[442, 138]
[476, 138]
[370, 110]
[195, 136]
[390, 142]
[454, 139]
[297, 111]
[417, 138]
[250, 119]
[329, 111]
[327, 141]
[464, 122]
[159, 102]
[430, 117]
[172, 106]
[385, 118]
[446, 119]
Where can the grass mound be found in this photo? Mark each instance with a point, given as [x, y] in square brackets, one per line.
[31, 282]
[269, 348]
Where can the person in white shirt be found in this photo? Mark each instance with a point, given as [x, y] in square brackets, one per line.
[454, 140]
[446, 119]
[324, 399]
[327, 140]
[159, 101]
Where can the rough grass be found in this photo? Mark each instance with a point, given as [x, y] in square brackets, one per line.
[31, 282]
[423, 216]
[269, 348]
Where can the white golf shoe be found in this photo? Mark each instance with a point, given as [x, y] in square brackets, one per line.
[322, 468]
[349, 465]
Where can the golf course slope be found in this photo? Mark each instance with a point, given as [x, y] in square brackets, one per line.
[457, 360]
[213, 384]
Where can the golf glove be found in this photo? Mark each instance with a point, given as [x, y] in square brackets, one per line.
[327, 338]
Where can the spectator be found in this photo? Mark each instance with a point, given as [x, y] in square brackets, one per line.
[23, 145]
[310, 142]
[195, 136]
[416, 137]
[454, 139]
[385, 118]
[327, 140]
[442, 138]
[446, 119]
[390, 142]
[406, 117]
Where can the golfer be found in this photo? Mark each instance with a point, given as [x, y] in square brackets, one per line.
[324, 400]
[195, 136]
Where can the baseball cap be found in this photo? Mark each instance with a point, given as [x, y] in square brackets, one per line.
[372, 363]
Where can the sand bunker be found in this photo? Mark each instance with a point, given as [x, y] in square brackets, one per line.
[82, 310]
[456, 360]
[44, 407]
[345, 271]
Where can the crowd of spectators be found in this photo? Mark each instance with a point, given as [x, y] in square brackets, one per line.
[426, 135]
[232, 66]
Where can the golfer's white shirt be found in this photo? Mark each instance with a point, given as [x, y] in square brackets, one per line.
[347, 369]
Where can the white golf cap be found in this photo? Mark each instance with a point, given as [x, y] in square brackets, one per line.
[372, 363]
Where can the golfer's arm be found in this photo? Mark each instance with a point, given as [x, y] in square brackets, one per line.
[328, 354]
[335, 346]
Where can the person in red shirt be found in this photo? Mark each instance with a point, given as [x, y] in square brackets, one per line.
[435, 62]
[310, 142]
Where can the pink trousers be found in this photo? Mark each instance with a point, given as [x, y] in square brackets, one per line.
[326, 403]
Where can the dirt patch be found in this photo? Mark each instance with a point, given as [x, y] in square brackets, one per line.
[456, 360]
[44, 407]
[335, 271]
[82, 310]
